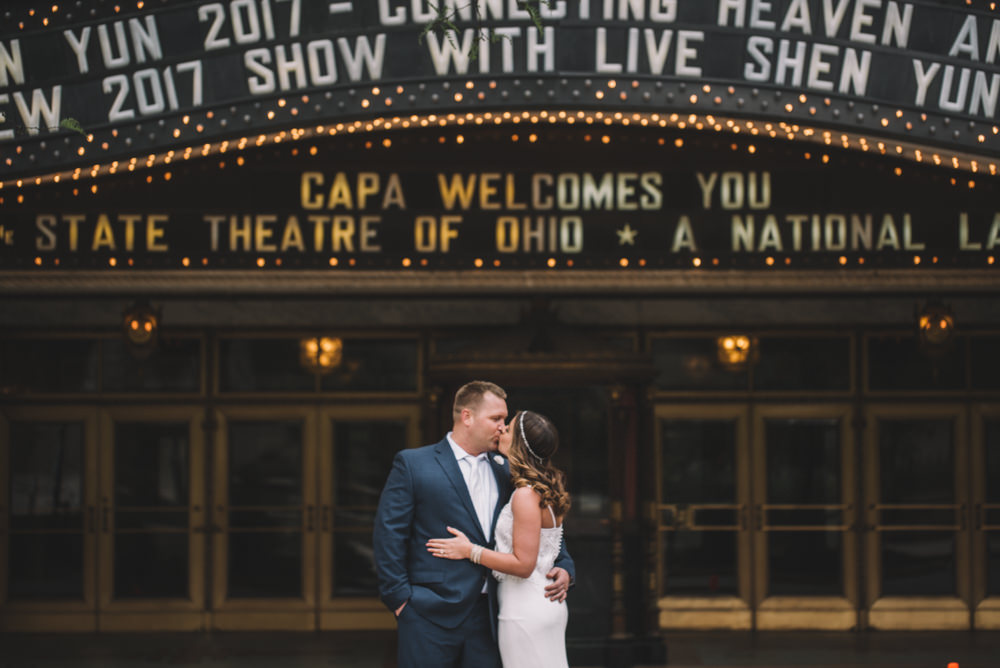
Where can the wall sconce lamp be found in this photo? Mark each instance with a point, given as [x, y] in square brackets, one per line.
[737, 351]
[935, 327]
[141, 328]
[321, 355]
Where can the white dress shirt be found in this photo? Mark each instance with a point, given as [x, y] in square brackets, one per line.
[486, 501]
[487, 504]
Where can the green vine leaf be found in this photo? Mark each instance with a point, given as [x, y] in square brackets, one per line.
[72, 125]
[444, 22]
[532, 8]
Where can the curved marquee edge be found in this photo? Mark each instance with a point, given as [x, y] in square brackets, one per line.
[383, 129]
[792, 114]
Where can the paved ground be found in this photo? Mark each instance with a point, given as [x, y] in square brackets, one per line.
[836, 650]
[377, 650]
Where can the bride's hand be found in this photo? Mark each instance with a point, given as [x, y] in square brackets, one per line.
[459, 547]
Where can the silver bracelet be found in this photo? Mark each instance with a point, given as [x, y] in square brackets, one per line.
[477, 554]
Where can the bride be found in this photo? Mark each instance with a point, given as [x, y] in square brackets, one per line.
[531, 629]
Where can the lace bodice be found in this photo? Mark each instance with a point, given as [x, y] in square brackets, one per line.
[548, 546]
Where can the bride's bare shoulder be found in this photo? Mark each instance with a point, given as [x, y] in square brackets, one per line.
[526, 492]
[524, 498]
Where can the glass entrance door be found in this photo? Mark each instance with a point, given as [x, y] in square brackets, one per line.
[804, 518]
[357, 447]
[152, 535]
[917, 544]
[106, 516]
[703, 493]
[986, 500]
[295, 492]
[756, 517]
[265, 515]
[48, 535]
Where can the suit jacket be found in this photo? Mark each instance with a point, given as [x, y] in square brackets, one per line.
[424, 494]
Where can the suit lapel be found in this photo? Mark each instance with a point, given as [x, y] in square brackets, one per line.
[446, 458]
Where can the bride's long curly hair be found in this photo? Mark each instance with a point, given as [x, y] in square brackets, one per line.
[531, 463]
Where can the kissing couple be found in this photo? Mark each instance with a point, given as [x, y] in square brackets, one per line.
[498, 519]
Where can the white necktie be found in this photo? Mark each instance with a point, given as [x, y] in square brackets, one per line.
[479, 490]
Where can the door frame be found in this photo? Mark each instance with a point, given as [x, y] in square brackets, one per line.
[911, 613]
[986, 609]
[19, 616]
[355, 612]
[826, 613]
[178, 614]
[704, 612]
[251, 614]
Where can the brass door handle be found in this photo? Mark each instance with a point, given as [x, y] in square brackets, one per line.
[207, 529]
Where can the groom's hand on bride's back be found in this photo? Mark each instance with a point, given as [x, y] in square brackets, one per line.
[557, 590]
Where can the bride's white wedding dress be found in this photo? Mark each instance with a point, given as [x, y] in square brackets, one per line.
[532, 629]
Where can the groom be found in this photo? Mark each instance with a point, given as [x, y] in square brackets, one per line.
[446, 611]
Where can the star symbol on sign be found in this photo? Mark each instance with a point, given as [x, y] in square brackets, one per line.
[627, 235]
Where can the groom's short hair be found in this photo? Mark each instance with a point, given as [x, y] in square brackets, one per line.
[471, 394]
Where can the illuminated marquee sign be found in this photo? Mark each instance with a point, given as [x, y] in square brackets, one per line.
[559, 203]
[142, 79]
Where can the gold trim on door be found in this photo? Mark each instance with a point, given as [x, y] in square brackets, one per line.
[706, 612]
[279, 613]
[985, 523]
[828, 613]
[340, 612]
[53, 615]
[932, 612]
[153, 614]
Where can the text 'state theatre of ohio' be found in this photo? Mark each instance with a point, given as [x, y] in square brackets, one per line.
[743, 252]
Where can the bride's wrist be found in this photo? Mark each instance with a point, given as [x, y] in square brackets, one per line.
[475, 553]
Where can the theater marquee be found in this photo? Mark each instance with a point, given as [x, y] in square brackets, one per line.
[557, 203]
[144, 79]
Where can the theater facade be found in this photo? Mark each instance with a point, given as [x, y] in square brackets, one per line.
[743, 253]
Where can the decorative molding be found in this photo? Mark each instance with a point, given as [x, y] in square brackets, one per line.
[369, 283]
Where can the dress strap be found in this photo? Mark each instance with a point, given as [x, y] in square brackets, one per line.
[554, 523]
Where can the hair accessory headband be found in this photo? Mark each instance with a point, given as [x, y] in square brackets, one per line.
[524, 438]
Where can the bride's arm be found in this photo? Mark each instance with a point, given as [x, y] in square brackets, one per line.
[527, 534]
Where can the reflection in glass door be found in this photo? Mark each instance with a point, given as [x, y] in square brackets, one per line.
[703, 484]
[358, 445]
[265, 510]
[48, 536]
[804, 543]
[152, 515]
[917, 539]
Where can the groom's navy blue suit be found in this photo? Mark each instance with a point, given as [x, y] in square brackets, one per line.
[424, 494]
